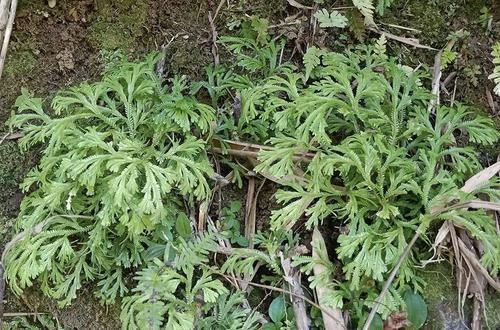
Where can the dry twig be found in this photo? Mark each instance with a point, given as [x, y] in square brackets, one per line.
[389, 281]
[293, 277]
[11, 136]
[7, 15]
[436, 78]
[250, 215]
[215, 48]
[330, 323]
[409, 41]
[268, 287]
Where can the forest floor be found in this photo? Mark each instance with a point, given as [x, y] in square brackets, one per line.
[53, 48]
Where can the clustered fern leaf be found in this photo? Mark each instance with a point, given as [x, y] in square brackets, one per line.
[121, 152]
[495, 76]
[376, 160]
[174, 294]
[350, 140]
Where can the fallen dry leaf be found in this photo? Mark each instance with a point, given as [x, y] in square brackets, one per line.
[397, 320]
[481, 177]
[329, 322]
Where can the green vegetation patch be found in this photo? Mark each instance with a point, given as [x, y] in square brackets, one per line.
[118, 24]
[126, 158]
[13, 168]
[20, 63]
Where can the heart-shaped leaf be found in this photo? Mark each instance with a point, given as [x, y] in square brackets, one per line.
[377, 323]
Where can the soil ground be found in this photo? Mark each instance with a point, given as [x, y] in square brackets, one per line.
[53, 48]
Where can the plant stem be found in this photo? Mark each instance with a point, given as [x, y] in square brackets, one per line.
[389, 281]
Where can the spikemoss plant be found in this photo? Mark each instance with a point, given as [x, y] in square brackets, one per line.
[351, 142]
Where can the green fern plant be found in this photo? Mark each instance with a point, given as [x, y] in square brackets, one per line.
[123, 153]
[351, 142]
[182, 293]
[495, 76]
[367, 8]
[377, 161]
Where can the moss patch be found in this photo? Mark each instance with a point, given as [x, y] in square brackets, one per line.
[493, 310]
[118, 24]
[441, 296]
[20, 63]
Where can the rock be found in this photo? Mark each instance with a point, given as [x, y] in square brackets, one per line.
[441, 296]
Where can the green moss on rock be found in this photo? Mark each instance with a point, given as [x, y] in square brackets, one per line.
[118, 24]
[20, 63]
[441, 296]
[14, 165]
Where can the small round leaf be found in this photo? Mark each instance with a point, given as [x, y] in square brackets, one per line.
[377, 323]
[183, 225]
[277, 309]
[416, 309]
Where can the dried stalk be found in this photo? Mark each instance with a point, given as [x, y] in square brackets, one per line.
[409, 41]
[337, 322]
[268, 287]
[250, 212]
[293, 277]
[6, 26]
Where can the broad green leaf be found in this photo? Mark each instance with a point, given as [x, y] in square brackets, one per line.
[277, 309]
[377, 323]
[183, 225]
[416, 309]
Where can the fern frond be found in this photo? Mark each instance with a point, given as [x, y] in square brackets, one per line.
[330, 19]
[495, 76]
[366, 8]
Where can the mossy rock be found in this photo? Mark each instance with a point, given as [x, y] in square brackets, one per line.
[441, 296]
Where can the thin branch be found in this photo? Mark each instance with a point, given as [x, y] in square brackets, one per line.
[436, 83]
[409, 41]
[11, 136]
[8, 32]
[389, 281]
[215, 49]
[268, 287]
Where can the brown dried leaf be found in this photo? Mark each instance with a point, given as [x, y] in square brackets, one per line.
[397, 320]
[330, 323]
[293, 277]
[296, 4]
[478, 204]
[481, 177]
[476, 265]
